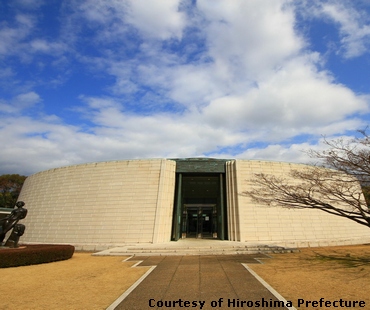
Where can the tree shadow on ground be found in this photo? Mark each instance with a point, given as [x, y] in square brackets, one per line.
[346, 260]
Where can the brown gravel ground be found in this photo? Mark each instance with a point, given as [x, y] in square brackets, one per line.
[332, 273]
[94, 282]
[82, 282]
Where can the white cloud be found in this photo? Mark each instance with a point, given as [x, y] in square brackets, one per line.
[244, 78]
[160, 20]
[355, 33]
[153, 19]
[18, 40]
[11, 37]
[26, 100]
[260, 85]
[234, 56]
[43, 46]
[250, 37]
[353, 24]
[20, 103]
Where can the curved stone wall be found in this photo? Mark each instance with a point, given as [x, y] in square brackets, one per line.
[99, 205]
[287, 227]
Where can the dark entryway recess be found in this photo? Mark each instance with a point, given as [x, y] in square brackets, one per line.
[200, 199]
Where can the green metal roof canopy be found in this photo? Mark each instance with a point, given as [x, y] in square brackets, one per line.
[200, 165]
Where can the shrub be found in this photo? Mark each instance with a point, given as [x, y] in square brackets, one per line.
[34, 254]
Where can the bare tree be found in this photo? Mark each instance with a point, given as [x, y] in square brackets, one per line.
[332, 187]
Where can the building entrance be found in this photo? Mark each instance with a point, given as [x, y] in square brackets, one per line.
[200, 201]
[199, 221]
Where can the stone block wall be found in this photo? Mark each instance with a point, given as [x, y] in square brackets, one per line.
[165, 202]
[99, 205]
[233, 222]
[288, 227]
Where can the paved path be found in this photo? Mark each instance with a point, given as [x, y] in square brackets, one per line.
[198, 282]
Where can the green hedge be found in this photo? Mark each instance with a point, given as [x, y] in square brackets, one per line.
[34, 254]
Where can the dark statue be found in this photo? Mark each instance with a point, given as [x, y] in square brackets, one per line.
[11, 222]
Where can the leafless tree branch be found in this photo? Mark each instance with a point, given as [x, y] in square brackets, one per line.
[333, 188]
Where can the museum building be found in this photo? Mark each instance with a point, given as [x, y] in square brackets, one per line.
[107, 204]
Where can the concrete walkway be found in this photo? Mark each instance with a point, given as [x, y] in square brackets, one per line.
[200, 282]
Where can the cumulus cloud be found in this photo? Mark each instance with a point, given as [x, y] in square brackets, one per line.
[179, 79]
[161, 20]
[250, 37]
[154, 20]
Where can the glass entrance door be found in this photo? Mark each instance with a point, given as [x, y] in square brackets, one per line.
[199, 221]
[192, 223]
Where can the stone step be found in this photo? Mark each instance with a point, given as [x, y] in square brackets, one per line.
[223, 246]
[228, 250]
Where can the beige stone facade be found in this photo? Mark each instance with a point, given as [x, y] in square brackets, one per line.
[107, 204]
[100, 204]
[288, 227]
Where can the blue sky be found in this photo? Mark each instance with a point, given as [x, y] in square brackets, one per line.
[99, 80]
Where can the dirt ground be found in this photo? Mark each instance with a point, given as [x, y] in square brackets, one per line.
[332, 273]
[82, 282]
[94, 282]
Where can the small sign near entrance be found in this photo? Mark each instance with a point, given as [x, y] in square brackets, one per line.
[206, 218]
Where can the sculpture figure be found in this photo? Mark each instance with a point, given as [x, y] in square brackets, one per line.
[11, 222]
